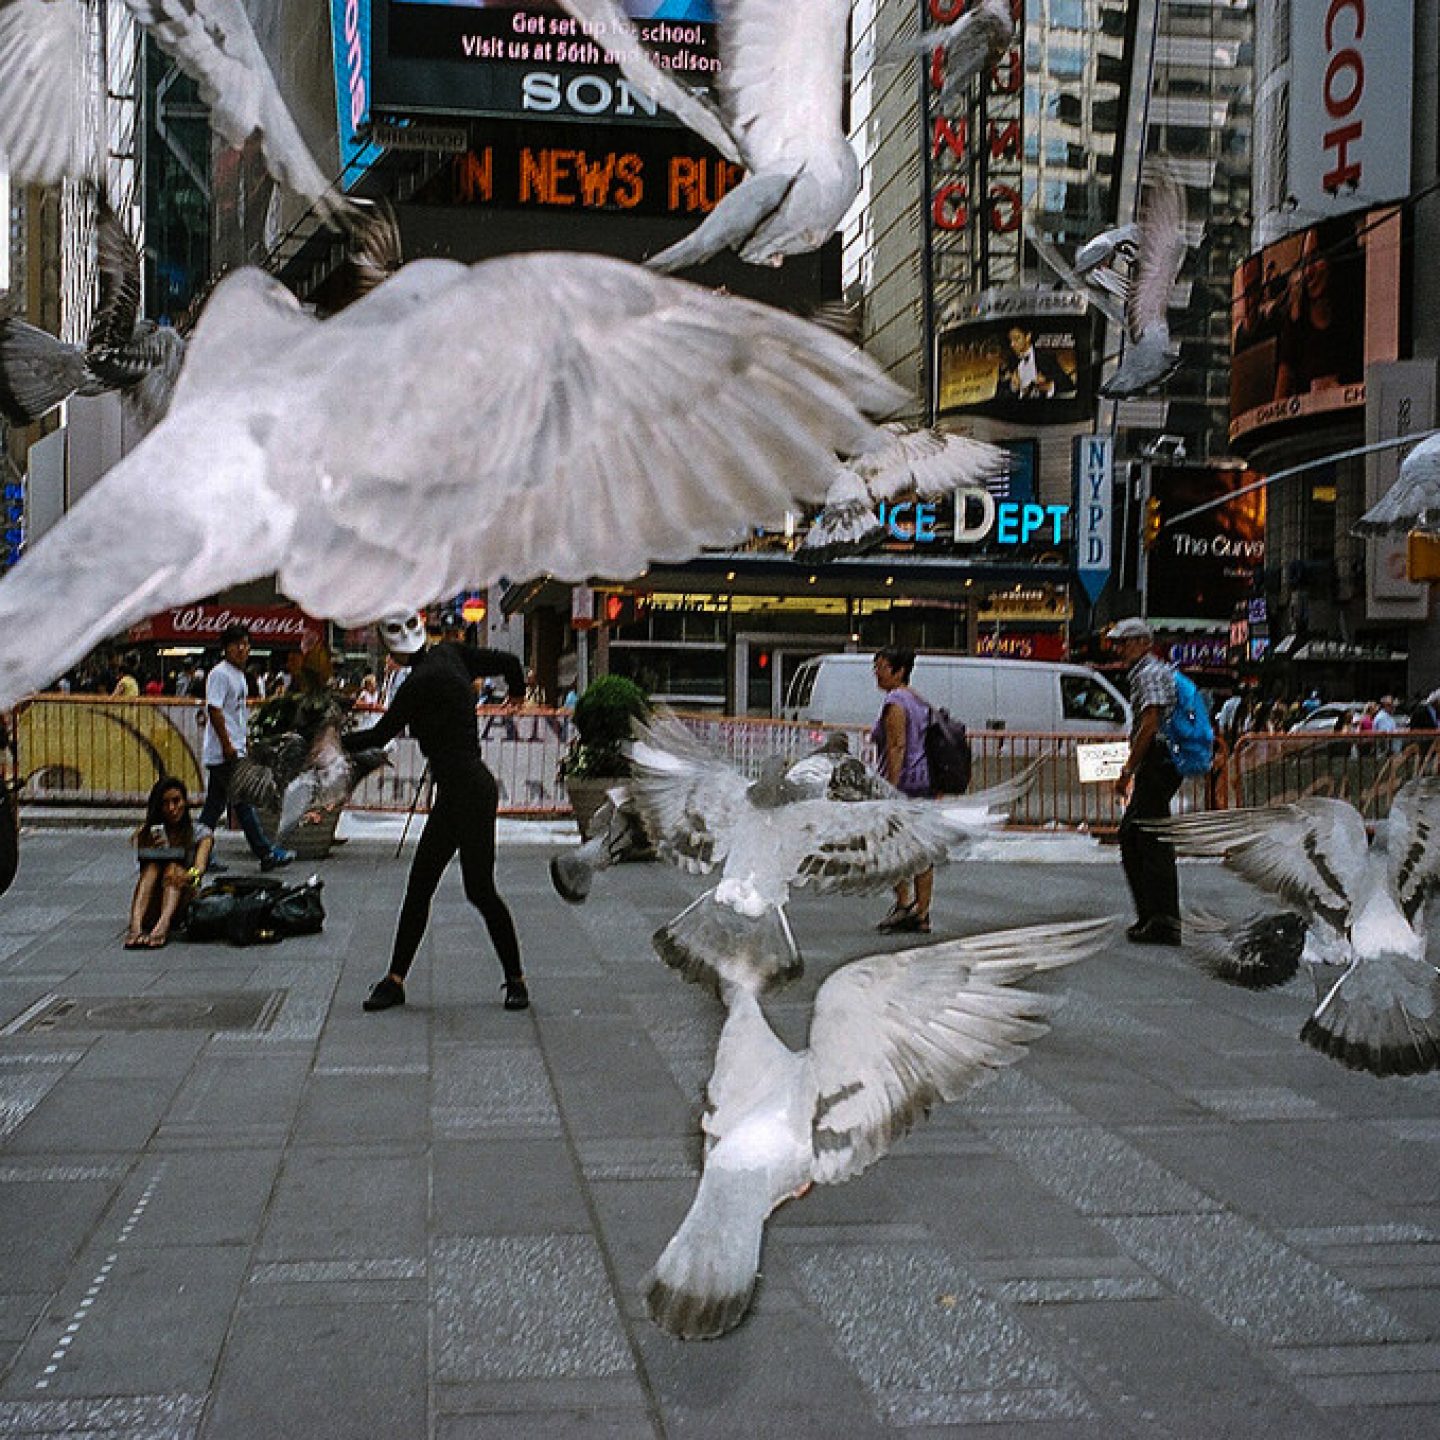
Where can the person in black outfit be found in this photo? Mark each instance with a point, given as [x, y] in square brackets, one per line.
[437, 702]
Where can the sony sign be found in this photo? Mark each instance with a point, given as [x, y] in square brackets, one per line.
[1350, 92]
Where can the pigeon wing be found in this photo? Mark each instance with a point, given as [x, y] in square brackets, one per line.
[118, 262]
[1413, 845]
[690, 805]
[851, 847]
[1413, 501]
[1051, 257]
[607, 23]
[548, 413]
[43, 84]
[894, 1034]
[1161, 254]
[213, 42]
[1312, 852]
[926, 462]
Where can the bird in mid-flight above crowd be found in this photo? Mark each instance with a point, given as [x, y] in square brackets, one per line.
[1413, 501]
[44, 74]
[780, 115]
[552, 413]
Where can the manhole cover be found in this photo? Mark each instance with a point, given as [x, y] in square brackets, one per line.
[234, 1010]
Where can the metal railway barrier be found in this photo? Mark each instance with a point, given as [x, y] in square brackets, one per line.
[91, 750]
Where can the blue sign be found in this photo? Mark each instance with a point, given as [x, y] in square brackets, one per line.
[1093, 463]
[350, 44]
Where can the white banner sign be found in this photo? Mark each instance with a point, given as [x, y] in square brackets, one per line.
[1102, 762]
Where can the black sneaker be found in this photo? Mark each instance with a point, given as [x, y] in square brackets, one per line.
[1158, 930]
[517, 995]
[277, 859]
[383, 994]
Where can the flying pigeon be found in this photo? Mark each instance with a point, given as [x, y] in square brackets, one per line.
[782, 97]
[1100, 284]
[1148, 358]
[891, 1035]
[560, 413]
[976, 41]
[619, 832]
[1413, 501]
[1364, 910]
[772, 834]
[1257, 953]
[299, 777]
[44, 78]
[923, 463]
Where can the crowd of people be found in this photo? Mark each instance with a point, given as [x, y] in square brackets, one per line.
[1245, 713]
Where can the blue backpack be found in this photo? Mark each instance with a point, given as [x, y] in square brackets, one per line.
[1188, 731]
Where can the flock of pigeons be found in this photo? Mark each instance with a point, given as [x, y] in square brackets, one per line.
[578, 415]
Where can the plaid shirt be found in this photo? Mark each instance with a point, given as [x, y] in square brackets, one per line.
[1152, 682]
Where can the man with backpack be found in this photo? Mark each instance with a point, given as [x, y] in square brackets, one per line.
[1147, 784]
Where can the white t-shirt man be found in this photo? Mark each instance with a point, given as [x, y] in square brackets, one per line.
[225, 689]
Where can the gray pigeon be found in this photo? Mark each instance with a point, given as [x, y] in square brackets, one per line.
[1413, 501]
[975, 41]
[1364, 911]
[457, 424]
[771, 834]
[1149, 359]
[891, 1036]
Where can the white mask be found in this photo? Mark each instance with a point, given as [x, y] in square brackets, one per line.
[402, 634]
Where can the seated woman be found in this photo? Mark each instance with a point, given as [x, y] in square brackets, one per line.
[172, 862]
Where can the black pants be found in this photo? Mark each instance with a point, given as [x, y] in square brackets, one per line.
[463, 820]
[1149, 862]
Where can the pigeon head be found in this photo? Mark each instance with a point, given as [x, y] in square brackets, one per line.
[772, 789]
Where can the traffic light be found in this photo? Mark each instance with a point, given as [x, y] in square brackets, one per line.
[617, 608]
[1152, 522]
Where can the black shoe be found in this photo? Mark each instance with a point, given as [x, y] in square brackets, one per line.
[1158, 930]
[383, 994]
[517, 995]
[899, 918]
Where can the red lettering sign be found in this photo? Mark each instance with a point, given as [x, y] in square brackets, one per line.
[272, 626]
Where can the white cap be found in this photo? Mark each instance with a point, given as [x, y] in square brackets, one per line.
[1132, 629]
[402, 634]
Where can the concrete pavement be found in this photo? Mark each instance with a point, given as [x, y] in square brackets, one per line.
[1172, 1220]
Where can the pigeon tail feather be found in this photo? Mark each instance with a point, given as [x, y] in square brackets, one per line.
[701, 1285]
[717, 947]
[37, 371]
[1382, 1016]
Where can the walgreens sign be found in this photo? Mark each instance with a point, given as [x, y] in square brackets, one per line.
[1350, 91]
[271, 626]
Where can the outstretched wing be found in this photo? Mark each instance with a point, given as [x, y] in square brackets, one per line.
[549, 413]
[1161, 254]
[1311, 853]
[1067, 275]
[894, 1034]
[43, 87]
[606, 22]
[1413, 844]
[1413, 501]
[926, 462]
[213, 42]
[690, 802]
[851, 847]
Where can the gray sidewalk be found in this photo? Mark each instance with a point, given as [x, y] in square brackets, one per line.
[1171, 1220]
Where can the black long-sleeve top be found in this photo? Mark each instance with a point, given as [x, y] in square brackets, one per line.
[437, 702]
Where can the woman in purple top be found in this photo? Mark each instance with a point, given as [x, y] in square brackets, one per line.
[899, 737]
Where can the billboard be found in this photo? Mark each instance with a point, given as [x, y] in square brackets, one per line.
[1308, 313]
[1021, 355]
[1350, 85]
[1204, 567]
[479, 57]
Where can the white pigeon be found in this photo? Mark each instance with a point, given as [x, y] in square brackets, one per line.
[907, 461]
[770, 835]
[1148, 358]
[782, 98]
[552, 413]
[973, 42]
[891, 1035]
[1101, 285]
[1364, 908]
[43, 67]
[1413, 501]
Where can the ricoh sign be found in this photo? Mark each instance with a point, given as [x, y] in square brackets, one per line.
[1350, 91]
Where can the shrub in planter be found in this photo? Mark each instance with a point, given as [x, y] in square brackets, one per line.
[594, 761]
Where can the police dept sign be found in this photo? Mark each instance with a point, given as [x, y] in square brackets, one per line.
[977, 518]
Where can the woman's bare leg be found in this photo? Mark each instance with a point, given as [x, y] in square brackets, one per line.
[142, 903]
[172, 895]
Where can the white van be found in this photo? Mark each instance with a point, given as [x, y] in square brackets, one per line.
[982, 693]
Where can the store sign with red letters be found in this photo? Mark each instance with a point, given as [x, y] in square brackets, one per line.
[271, 626]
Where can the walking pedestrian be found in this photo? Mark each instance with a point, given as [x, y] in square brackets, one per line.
[1147, 783]
[437, 702]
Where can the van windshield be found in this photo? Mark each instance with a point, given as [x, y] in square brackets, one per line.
[802, 686]
[1084, 698]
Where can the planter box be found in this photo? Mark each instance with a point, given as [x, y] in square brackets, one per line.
[309, 842]
[586, 797]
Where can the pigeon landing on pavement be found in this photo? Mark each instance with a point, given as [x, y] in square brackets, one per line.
[769, 835]
[891, 1036]
[1149, 358]
[1364, 910]
[560, 413]
[782, 97]
[1413, 501]
[923, 463]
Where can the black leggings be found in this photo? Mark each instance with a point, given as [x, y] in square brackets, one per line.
[463, 819]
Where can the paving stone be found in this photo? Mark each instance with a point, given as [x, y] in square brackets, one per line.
[480, 1089]
[136, 1417]
[511, 1187]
